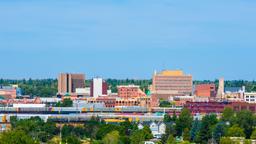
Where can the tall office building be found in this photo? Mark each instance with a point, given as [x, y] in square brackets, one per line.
[220, 94]
[67, 83]
[98, 87]
[171, 83]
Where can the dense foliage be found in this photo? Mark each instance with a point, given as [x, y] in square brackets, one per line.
[67, 102]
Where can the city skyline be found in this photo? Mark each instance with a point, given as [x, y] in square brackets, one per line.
[128, 39]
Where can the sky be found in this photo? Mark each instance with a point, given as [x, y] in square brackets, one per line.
[128, 38]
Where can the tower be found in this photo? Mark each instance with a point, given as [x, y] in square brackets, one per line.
[220, 94]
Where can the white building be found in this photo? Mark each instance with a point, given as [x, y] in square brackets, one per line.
[97, 87]
[250, 97]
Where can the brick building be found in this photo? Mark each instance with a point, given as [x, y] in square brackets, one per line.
[205, 90]
[130, 91]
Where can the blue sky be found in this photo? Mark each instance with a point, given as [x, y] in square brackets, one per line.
[128, 38]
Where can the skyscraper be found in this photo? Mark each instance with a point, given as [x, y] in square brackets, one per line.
[67, 83]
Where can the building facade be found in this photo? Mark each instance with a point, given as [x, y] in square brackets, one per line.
[205, 90]
[98, 88]
[250, 97]
[68, 83]
[9, 92]
[170, 83]
[130, 91]
[220, 93]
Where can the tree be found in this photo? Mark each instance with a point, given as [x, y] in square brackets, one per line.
[235, 131]
[36, 128]
[67, 102]
[227, 115]
[226, 140]
[71, 139]
[54, 140]
[105, 129]
[195, 129]
[253, 136]
[164, 103]
[184, 121]
[170, 130]
[16, 137]
[111, 138]
[137, 137]
[147, 133]
[174, 116]
[206, 130]
[186, 134]
[171, 140]
[245, 120]
[167, 118]
[219, 131]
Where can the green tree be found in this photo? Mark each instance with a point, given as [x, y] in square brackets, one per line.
[227, 115]
[36, 128]
[184, 121]
[164, 103]
[167, 118]
[235, 131]
[105, 129]
[186, 134]
[71, 139]
[226, 140]
[67, 102]
[195, 129]
[54, 140]
[171, 140]
[111, 138]
[253, 136]
[219, 131]
[16, 137]
[206, 130]
[174, 116]
[147, 133]
[245, 120]
[137, 137]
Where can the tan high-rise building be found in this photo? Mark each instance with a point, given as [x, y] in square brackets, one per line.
[67, 83]
[171, 83]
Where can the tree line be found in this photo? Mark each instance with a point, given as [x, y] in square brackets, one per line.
[95, 131]
[48, 87]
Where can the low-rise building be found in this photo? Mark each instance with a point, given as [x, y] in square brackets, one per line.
[250, 97]
[130, 91]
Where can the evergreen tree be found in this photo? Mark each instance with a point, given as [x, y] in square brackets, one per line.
[184, 121]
